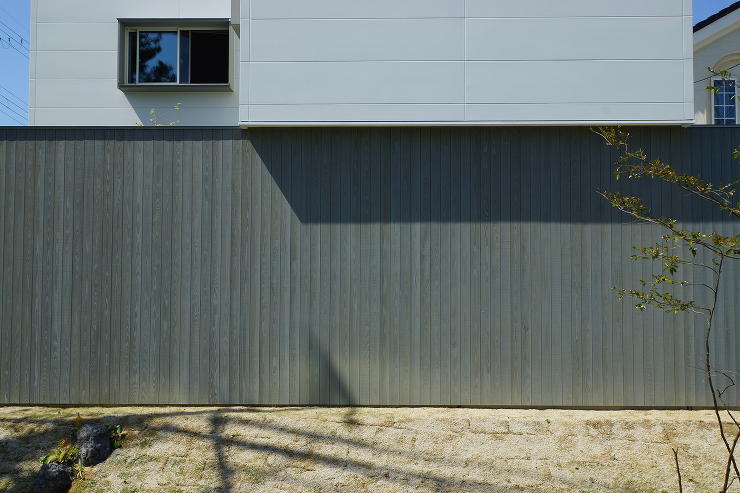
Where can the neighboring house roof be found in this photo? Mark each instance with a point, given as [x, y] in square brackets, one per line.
[717, 26]
[717, 16]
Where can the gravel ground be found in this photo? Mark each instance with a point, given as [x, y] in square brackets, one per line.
[241, 449]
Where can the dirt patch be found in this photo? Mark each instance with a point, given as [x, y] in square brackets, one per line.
[172, 449]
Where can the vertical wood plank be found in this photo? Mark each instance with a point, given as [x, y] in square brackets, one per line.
[36, 266]
[4, 144]
[50, 348]
[465, 268]
[383, 167]
[107, 140]
[233, 221]
[345, 267]
[435, 246]
[178, 347]
[305, 185]
[217, 274]
[285, 195]
[28, 300]
[166, 339]
[275, 280]
[445, 268]
[149, 313]
[508, 168]
[258, 259]
[395, 327]
[17, 277]
[117, 239]
[9, 171]
[182, 257]
[355, 292]
[243, 160]
[267, 297]
[497, 218]
[324, 337]
[127, 268]
[56, 215]
[425, 308]
[137, 288]
[198, 340]
[475, 267]
[365, 218]
[206, 341]
[486, 280]
[155, 265]
[295, 208]
[96, 330]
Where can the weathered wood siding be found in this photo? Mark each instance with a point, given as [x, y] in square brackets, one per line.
[368, 266]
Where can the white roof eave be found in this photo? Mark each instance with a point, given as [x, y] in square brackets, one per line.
[716, 29]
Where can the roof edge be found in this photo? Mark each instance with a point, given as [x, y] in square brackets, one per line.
[715, 17]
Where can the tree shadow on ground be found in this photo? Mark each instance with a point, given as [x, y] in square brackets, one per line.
[255, 449]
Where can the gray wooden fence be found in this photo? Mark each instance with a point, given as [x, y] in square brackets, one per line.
[363, 266]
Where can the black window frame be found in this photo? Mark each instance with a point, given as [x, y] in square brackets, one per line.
[127, 26]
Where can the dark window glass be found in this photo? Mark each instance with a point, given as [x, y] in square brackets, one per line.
[157, 56]
[132, 57]
[184, 57]
[209, 57]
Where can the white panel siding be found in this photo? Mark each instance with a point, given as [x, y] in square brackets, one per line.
[74, 61]
[356, 82]
[576, 113]
[102, 11]
[596, 38]
[197, 9]
[78, 37]
[354, 9]
[475, 61]
[118, 116]
[576, 82]
[358, 39]
[359, 113]
[573, 8]
[96, 93]
[87, 64]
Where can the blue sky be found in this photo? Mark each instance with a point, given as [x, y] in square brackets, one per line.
[15, 19]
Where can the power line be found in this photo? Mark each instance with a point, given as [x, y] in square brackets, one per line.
[705, 78]
[10, 45]
[13, 103]
[10, 38]
[11, 109]
[16, 20]
[16, 97]
[8, 27]
[20, 123]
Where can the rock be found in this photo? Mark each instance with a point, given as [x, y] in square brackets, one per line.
[93, 442]
[53, 478]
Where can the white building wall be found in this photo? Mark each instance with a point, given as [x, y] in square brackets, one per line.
[465, 61]
[74, 65]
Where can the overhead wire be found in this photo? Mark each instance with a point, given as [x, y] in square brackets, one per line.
[709, 77]
[10, 45]
[16, 97]
[14, 103]
[8, 28]
[16, 21]
[11, 117]
[11, 109]
[9, 39]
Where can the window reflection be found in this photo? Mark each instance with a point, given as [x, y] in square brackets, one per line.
[157, 56]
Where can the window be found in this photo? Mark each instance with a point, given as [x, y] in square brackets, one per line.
[724, 102]
[188, 56]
